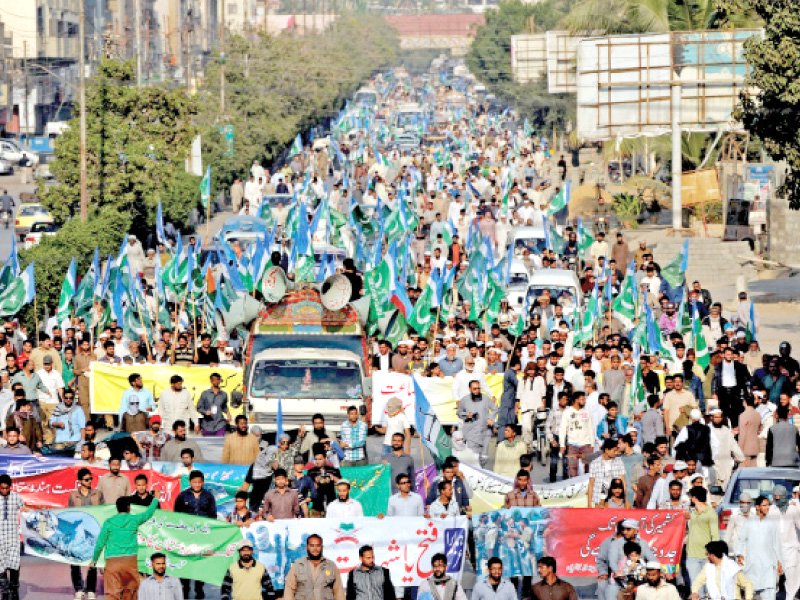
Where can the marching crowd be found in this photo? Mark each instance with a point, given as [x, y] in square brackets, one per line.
[659, 430]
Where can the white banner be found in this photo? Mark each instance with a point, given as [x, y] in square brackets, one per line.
[489, 490]
[404, 545]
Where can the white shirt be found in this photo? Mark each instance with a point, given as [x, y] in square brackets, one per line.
[396, 424]
[53, 382]
[405, 506]
[728, 374]
[383, 361]
[344, 510]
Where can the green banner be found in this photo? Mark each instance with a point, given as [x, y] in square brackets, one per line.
[196, 547]
[370, 485]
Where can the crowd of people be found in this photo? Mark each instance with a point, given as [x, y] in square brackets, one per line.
[661, 429]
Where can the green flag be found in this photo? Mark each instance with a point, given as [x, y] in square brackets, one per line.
[18, 293]
[205, 188]
[702, 356]
[586, 331]
[67, 292]
[624, 305]
[558, 202]
[517, 328]
[421, 318]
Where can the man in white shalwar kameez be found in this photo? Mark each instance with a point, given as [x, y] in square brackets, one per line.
[724, 449]
[760, 551]
[789, 515]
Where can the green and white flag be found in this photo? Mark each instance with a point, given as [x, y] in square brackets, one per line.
[421, 318]
[18, 293]
[624, 305]
[67, 292]
[560, 200]
[205, 188]
[297, 146]
[702, 356]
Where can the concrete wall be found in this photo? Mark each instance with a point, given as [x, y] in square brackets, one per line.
[784, 232]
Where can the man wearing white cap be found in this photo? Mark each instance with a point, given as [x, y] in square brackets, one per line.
[616, 553]
[724, 449]
[656, 588]
[738, 520]
[344, 507]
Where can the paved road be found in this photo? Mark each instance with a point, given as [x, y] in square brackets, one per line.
[12, 183]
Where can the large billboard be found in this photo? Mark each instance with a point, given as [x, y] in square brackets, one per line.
[562, 49]
[528, 57]
[624, 82]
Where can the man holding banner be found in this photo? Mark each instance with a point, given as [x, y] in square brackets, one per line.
[118, 539]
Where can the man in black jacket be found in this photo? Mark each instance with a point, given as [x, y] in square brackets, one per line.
[730, 384]
[365, 580]
[554, 389]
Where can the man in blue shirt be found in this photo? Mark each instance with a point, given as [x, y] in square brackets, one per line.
[353, 439]
[451, 364]
[68, 420]
[137, 398]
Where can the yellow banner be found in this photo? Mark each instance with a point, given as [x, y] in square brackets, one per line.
[109, 382]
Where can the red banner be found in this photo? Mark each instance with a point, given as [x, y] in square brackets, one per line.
[52, 489]
[573, 535]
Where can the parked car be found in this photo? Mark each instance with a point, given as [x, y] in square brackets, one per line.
[27, 215]
[13, 152]
[39, 230]
[756, 481]
[6, 167]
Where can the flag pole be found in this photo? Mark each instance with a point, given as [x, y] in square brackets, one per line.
[194, 326]
[141, 322]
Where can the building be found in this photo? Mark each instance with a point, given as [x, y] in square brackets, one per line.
[453, 32]
[41, 68]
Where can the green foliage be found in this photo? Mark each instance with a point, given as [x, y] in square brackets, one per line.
[489, 59]
[279, 85]
[771, 113]
[627, 208]
[52, 256]
[137, 141]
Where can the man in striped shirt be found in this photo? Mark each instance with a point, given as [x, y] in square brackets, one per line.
[353, 439]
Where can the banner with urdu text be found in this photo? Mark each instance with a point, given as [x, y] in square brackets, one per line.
[196, 547]
[404, 545]
[520, 536]
[109, 382]
[489, 489]
[52, 489]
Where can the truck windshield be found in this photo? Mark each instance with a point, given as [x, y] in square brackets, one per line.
[292, 378]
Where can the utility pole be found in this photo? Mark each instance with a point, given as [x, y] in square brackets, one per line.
[187, 27]
[82, 93]
[222, 60]
[137, 32]
[25, 75]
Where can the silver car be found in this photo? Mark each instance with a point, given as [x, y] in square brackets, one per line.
[756, 481]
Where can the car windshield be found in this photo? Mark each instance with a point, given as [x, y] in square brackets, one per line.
[306, 378]
[558, 294]
[518, 279]
[408, 118]
[761, 486]
[44, 228]
[534, 244]
[27, 211]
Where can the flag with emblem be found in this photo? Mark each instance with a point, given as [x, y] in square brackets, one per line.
[421, 318]
[18, 293]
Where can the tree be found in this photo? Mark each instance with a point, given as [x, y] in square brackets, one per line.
[137, 141]
[52, 255]
[277, 85]
[771, 109]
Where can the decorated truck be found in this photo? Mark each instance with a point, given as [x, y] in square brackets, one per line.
[310, 358]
